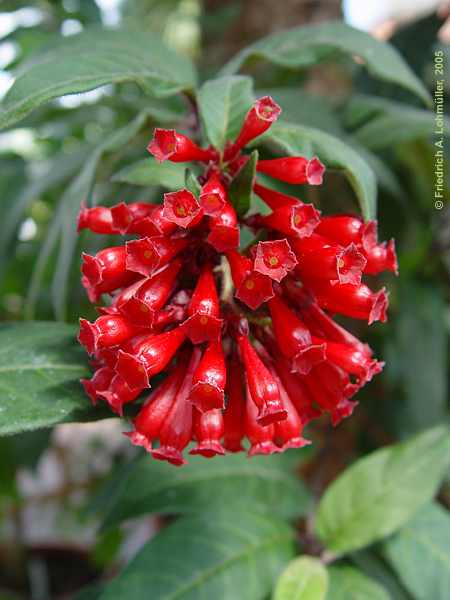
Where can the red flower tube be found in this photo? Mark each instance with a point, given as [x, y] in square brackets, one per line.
[176, 430]
[204, 323]
[225, 233]
[182, 208]
[341, 229]
[124, 216]
[213, 196]
[150, 356]
[147, 255]
[208, 428]
[209, 379]
[252, 287]
[298, 220]
[293, 169]
[100, 381]
[274, 259]
[106, 331]
[105, 272]
[260, 117]
[273, 198]
[263, 388]
[381, 257]
[97, 219]
[119, 393]
[288, 433]
[167, 144]
[260, 437]
[234, 415]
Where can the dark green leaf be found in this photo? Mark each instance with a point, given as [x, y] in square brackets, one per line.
[347, 583]
[191, 183]
[241, 187]
[380, 492]
[151, 486]
[232, 556]
[150, 172]
[223, 104]
[94, 58]
[40, 365]
[420, 554]
[298, 139]
[307, 46]
[305, 578]
[374, 567]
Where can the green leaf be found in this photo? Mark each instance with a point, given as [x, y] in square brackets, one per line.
[40, 368]
[375, 568]
[334, 153]
[420, 554]
[150, 486]
[347, 583]
[94, 58]
[380, 492]
[232, 556]
[305, 578]
[150, 172]
[304, 47]
[191, 183]
[241, 188]
[223, 104]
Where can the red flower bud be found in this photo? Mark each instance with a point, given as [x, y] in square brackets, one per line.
[203, 323]
[106, 331]
[234, 416]
[318, 258]
[263, 387]
[155, 410]
[225, 233]
[97, 219]
[105, 272]
[119, 393]
[252, 287]
[100, 381]
[357, 301]
[293, 169]
[260, 436]
[298, 220]
[151, 296]
[274, 259]
[167, 144]
[147, 255]
[294, 338]
[176, 430]
[182, 209]
[209, 379]
[260, 117]
[149, 357]
[209, 428]
[213, 196]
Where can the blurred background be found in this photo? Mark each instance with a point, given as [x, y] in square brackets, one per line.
[62, 153]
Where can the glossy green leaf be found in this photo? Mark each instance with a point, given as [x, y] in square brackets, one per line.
[305, 578]
[305, 47]
[94, 58]
[334, 153]
[241, 188]
[420, 554]
[191, 183]
[238, 555]
[223, 104]
[347, 583]
[382, 491]
[149, 486]
[150, 172]
[40, 368]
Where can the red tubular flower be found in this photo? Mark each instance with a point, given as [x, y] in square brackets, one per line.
[274, 199]
[209, 428]
[182, 209]
[294, 338]
[97, 219]
[213, 196]
[204, 323]
[209, 379]
[124, 216]
[155, 410]
[381, 257]
[357, 301]
[176, 430]
[106, 331]
[341, 229]
[298, 220]
[320, 259]
[151, 296]
[167, 144]
[260, 117]
[100, 381]
[118, 394]
[274, 259]
[147, 255]
[260, 437]
[225, 233]
[234, 415]
[263, 388]
[150, 356]
[105, 272]
[252, 287]
[293, 169]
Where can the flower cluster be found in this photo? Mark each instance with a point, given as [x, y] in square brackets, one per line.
[244, 338]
